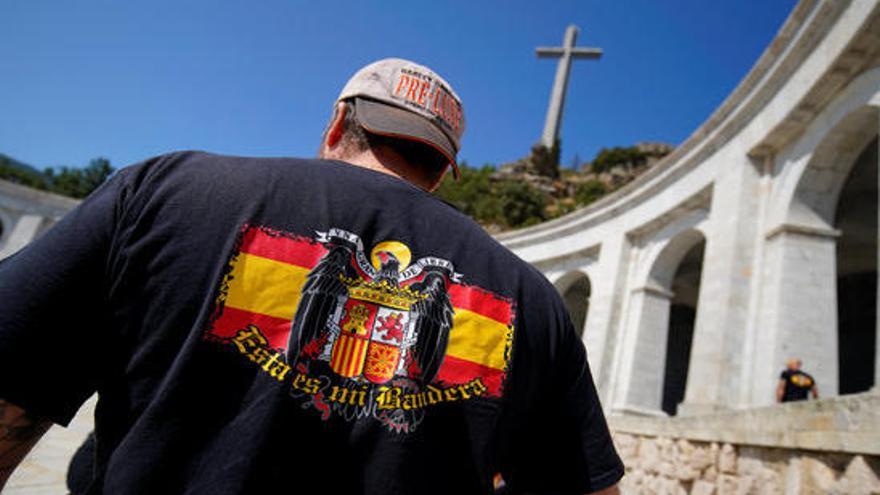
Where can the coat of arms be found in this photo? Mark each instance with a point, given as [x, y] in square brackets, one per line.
[357, 333]
[377, 320]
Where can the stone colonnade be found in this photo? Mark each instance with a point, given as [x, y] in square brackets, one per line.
[738, 228]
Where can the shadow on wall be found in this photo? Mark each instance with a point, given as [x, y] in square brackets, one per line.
[856, 218]
[682, 315]
[577, 301]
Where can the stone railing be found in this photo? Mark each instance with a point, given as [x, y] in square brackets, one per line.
[825, 446]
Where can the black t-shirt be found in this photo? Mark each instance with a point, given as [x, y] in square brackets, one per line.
[297, 326]
[797, 385]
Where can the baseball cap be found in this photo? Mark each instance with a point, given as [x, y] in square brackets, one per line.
[401, 99]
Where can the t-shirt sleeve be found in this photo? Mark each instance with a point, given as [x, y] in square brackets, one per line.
[53, 321]
[555, 437]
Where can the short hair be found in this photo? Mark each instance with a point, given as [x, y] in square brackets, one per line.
[359, 139]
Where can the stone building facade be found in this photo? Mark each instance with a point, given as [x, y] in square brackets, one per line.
[741, 236]
[753, 241]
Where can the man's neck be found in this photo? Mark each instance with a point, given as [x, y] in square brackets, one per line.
[386, 162]
[369, 160]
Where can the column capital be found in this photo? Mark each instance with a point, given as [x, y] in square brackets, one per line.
[654, 291]
[803, 230]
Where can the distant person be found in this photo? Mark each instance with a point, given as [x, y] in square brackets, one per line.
[795, 384]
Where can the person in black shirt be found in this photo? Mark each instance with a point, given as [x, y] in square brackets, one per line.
[257, 325]
[795, 384]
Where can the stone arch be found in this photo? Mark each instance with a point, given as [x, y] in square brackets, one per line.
[668, 259]
[805, 232]
[818, 191]
[811, 181]
[664, 308]
[679, 268]
[663, 250]
[575, 288]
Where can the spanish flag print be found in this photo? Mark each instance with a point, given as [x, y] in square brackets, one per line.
[264, 286]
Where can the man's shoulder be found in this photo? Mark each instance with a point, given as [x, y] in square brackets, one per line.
[438, 221]
[205, 159]
[478, 240]
[196, 168]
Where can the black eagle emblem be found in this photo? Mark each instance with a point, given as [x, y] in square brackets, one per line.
[320, 296]
[327, 287]
[434, 319]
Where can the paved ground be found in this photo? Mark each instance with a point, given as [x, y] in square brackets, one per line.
[44, 470]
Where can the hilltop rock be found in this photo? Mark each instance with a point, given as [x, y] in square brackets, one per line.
[612, 168]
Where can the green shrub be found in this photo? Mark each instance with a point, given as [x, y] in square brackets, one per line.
[72, 182]
[546, 160]
[507, 203]
[589, 191]
[79, 182]
[608, 158]
[521, 204]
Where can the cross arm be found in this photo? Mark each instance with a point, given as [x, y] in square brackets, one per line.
[586, 52]
[556, 52]
[549, 52]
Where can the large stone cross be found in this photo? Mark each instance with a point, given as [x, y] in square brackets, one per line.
[557, 98]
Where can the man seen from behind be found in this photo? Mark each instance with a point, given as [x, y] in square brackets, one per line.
[258, 325]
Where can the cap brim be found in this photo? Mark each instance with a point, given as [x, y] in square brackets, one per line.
[388, 120]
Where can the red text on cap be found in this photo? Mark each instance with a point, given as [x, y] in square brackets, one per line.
[414, 88]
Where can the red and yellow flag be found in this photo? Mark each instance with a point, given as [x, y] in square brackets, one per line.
[264, 287]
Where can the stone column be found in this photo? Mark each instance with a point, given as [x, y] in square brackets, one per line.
[607, 282]
[721, 333]
[799, 310]
[24, 231]
[643, 357]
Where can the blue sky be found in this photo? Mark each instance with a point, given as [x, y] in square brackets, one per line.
[129, 80]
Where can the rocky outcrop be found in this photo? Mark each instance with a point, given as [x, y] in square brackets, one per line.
[615, 167]
[619, 166]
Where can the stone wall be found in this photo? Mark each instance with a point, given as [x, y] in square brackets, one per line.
[680, 455]
[663, 465]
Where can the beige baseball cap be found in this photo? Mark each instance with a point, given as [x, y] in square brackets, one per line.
[398, 98]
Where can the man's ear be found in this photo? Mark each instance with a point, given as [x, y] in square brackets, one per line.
[438, 179]
[336, 127]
